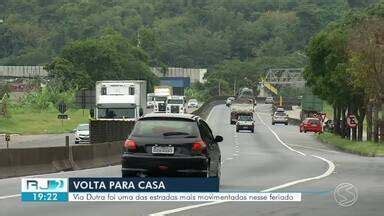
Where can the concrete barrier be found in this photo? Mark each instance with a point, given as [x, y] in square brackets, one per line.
[205, 109]
[96, 155]
[32, 161]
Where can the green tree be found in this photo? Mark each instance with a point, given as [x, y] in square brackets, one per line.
[110, 57]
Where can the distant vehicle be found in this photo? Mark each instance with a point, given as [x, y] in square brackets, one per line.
[280, 117]
[238, 109]
[269, 100]
[120, 99]
[171, 145]
[245, 95]
[229, 101]
[310, 105]
[280, 109]
[245, 122]
[192, 103]
[81, 133]
[150, 100]
[311, 125]
[160, 98]
[176, 104]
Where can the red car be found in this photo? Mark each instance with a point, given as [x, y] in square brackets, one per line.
[311, 125]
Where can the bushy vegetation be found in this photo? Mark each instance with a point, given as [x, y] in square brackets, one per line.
[346, 68]
[46, 99]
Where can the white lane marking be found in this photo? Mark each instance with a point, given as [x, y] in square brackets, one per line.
[278, 138]
[331, 168]
[9, 196]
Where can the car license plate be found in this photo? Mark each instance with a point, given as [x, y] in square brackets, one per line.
[163, 150]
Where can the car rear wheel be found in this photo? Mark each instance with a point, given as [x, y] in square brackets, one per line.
[217, 172]
[286, 123]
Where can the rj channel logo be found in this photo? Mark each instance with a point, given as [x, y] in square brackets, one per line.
[44, 185]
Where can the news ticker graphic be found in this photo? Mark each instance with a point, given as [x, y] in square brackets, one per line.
[138, 189]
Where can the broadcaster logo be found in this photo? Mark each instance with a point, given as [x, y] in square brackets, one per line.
[345, 194]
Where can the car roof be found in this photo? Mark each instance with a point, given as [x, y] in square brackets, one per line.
[170, 116]
[83, 124]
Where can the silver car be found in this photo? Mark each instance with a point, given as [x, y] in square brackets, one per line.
[192, 103]
[245, 122]
[280, 118]
[81, 133]
[269, 100]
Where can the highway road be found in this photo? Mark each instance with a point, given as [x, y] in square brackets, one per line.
[274, 158]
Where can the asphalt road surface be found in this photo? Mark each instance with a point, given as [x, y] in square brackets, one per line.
[275, 158]
[45, 140]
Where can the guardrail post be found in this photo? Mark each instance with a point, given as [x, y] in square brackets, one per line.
[67, 145]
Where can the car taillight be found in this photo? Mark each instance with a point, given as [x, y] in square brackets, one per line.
[130, 145]
[199, 147]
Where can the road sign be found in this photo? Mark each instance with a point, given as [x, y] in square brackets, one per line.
[86, 99]
[352, 121]
[7, 137]
[62, 116]
[62, 107]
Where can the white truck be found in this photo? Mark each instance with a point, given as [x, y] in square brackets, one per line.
[120, 99]
[160, 98]
[176, 104]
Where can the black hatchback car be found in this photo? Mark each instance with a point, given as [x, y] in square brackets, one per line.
[171, 145]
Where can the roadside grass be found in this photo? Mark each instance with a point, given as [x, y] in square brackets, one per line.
[22, 121]
[362, 148]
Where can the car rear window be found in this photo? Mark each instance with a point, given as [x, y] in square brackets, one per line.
[165, 128]
[245, 118]
[280, 114]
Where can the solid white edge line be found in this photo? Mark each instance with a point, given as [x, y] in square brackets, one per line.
[9, 196]
[278, 138]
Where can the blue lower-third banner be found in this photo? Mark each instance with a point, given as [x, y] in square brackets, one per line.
[138, 189]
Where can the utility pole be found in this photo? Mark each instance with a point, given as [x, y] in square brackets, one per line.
[219, 88]
[234, 88]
